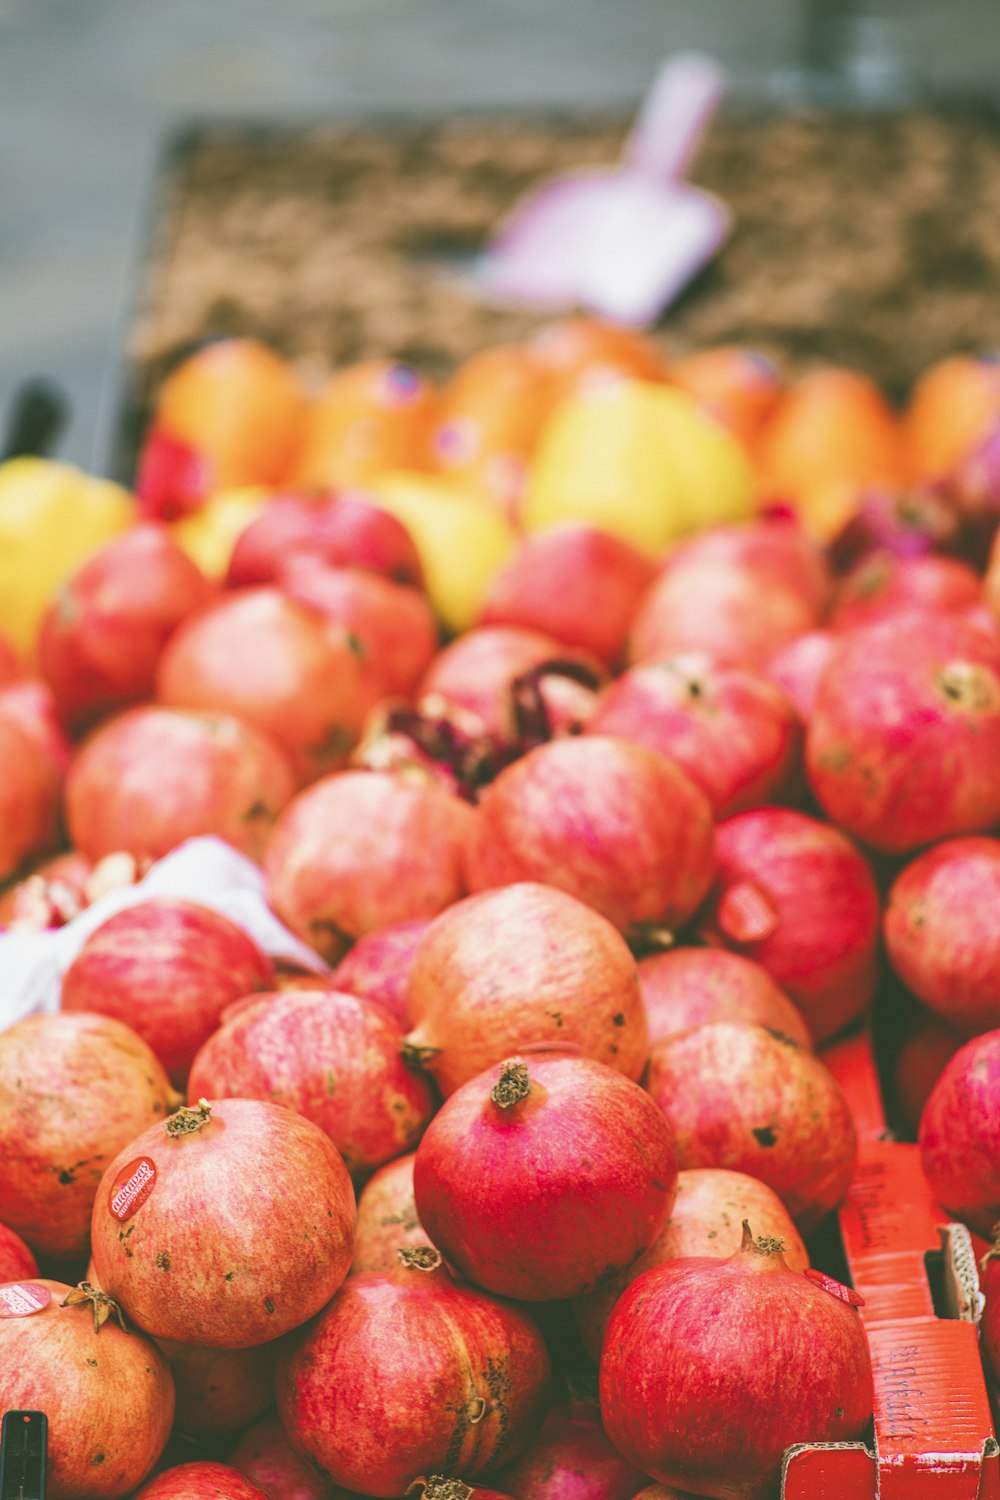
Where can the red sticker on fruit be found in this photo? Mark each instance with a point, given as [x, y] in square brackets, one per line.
[131, 1188]
[19, 1299]
[835, 1288]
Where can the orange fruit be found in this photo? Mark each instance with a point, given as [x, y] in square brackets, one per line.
[369, 418]
[830, 425]
[951, 409]
[577, 352]
[739, 386]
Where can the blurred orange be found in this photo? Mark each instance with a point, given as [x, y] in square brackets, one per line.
[952, 407]
[239, 405]
[369, 418]
[577, 352]
[739, 386]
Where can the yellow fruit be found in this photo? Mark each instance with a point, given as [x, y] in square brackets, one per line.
[640, 460]
[208, 535]
[461, 539]
[52, 518]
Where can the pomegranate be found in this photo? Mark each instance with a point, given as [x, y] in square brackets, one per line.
[799, 666]
[362, 850]
[989, 1328]
[904, 740]
[266, 1457]
[686, 987]
[51, 894]
[660, 1492]
[905, 524]
[387, 1217]
[616, 825]
[522, 965]
[408, 1372]
[438, 1487]
[960, 1134]
[168, 968]
[227, 1226]
[543, 1176]
[736, 735]
[883, 585]
[474, 673]
[773, 550]
[73, 1091]
[918, 1060]
[707, 1219]
[16, 1260]
[571, 1458]
[941, 932]
[203, 1480]
[108, 1395]
[344, 531]
[738, 1096]
[152, 777]
[797, 897]
[727, 1334]
[219, 1390]
[332, 1058]
[279, 667]
[378, 966]
[29, 704]
[29, 800]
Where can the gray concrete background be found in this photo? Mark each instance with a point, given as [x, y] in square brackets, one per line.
[89, 90]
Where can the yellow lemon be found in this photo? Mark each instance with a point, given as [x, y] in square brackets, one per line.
[52, 518]
[640, 460]
[209, 534]
[461, 539]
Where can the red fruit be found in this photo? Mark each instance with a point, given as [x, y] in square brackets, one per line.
[378, 966]
[798, 898]
[960, 1134]
[408, 1372]
[29, 704]
[706, 1219]
[883, 585]
[168, 968]
[10, 666]
[475, 672]
[330, 1057]
[989, 1327]
[16, 1260]
[29, 800]
[687, 987]
[266, 1457]
[618, 826]
[571, 1459]
[345, 531]
[553, 580]
[277, 666]
[152, 777]
[520, 966]
[50, 895]
[741, 1097]
[774, 551]
[799, 666]
[904, 742]
[73, 1091]
[172, 478]
[438, 1487]
[100, 641]
[362, 850]
[919, 1058]
[227, 1226]
[905, 524]
[387, 1217]
[941, 932]
[200, 1481]
[542, 1177]
[660, 1492]
[734, 733]
[219, 1390]
[108, 1395]
[703, 1333]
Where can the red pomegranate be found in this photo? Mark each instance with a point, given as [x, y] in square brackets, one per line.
[918, 1060]
[100, 640]
[797, 897]
[73, 1091]
[617, 826]
[726, 1334]
[344, 531]
[16, 1260]
[152, 777]
[408, 1372]
[266, 1457]
[706, 1219]
[523, 965]
[387, 1217]
[989, 1328]
[328, 1056]
[362, 850]
[571, 1458]
[736, 734]
[108, 1395]
[168, 968]
[741, 1097]
[884, 585]
[773, 550]
[203, 1480]
[960, 1134]
[378, 966]
[903, 745]
[660, 1492]
[942, 935]
[438, 1487]
[219, 1390]
[545, 1175]
[30, 705]
[51, 893]
[227, 1226]
[279, 667]
[29, 800]
[686, 987]
[799, 666]
[474, 673]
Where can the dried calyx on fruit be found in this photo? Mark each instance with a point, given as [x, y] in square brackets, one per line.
[102, 1306]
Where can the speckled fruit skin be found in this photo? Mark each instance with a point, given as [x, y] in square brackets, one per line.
[16, 1260]
[266, 1457]
[247, 1232]
[960, 1134]
[727, 1334]
[331, 1057]
[686, 987]
[74, 1089]
[200, 1481]
[550, 1196]
[168, 969]
[799, 666]
[362, 850]
[219, 1390]
[378, 967]
[387, 1217]
[571, 1458]
[346, 531]
[618, 826]
[741, 1097]
[475, 671]
[108, 1396]
[522, 965]
[882, 585]
[410, 1373]
[707, 1219]
[903, 744]
[799, 898]
[942, 933]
